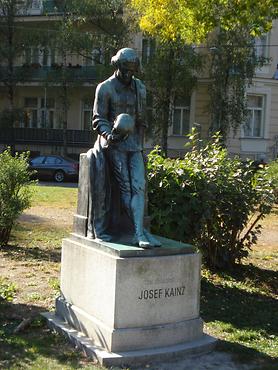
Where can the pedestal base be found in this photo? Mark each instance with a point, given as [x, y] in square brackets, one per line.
[201, 346]
[128, 302]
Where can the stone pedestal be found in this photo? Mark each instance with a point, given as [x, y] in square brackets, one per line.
[122, 304]
[130, 304]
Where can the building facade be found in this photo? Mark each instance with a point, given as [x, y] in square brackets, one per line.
[44, 126]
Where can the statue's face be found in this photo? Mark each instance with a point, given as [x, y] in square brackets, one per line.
[126, 71]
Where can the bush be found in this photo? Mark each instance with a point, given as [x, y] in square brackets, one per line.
[15, 195]
[7, 290]
[272, 175]
[209, 200]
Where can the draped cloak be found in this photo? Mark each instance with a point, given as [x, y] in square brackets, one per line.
[112, 98]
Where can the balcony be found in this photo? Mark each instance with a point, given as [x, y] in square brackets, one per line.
[42, 7]
[44, 136]
[53, 7]
[54, 74]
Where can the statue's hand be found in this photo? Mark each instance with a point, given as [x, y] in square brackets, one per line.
[114, 138]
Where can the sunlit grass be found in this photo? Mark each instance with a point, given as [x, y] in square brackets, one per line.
[44, 235]
[54, 196]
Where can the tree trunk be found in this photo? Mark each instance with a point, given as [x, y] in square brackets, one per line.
[5, 233]
[65, 118]
[164, 130]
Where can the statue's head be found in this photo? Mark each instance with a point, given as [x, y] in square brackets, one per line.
[126, 63]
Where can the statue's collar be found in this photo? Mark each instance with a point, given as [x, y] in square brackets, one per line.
[119, 86]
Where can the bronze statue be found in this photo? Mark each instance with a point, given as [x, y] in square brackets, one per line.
[116, 161]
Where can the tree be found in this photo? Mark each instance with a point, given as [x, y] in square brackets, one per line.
[233, 63]
[191, 20]
[15, 192]
[12, 46]
[232, 67]
[170, 73]
[82, 29]
[105, 18]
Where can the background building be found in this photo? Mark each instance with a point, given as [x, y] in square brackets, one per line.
[50, 75]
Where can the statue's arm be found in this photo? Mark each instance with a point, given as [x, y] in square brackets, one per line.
[101, 121]
[101, 111]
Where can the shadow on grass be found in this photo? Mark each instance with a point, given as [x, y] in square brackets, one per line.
[266, 280]
[33, 219]
[243, 354]
[36, 344]
[246, 316]
[241, 309]
[32, 253]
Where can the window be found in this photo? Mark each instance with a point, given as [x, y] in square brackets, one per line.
[253, 126]
[53, 160]
[32, 55]
[37, 115]
[52, 56]
[38, 160]
[261, 46]
[95, 57]
[45, 57]
[31, 109]
[181, 117]
[40, 56]
[34, 7]
[87, 113]
[47, 113]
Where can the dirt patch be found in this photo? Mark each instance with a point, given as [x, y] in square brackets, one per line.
[58, 216]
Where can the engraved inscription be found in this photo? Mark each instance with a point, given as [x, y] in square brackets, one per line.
[161, 293]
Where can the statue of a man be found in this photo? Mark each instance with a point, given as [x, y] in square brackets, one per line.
[119, 119]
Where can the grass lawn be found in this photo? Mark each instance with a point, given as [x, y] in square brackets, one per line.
[238, 307]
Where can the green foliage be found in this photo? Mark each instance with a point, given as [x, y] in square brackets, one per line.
[7, 289]
[15, 195]
[272, 175]
[105, 17]
[54, 283]
[230, 27]
[208, 199]
[191, 21]
[14, 41]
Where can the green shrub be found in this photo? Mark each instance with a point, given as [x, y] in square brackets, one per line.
[7, 290]
[15, 195]
[272, 175]
[208, 199]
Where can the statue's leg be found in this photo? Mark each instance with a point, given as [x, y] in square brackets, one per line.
[119, 167]
[128, 170]
[137, 179]
[97, 212]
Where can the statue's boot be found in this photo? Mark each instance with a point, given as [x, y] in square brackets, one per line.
[104, 238]
[152, 240]
[99, 237]
[99, 233]
[137, 208]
